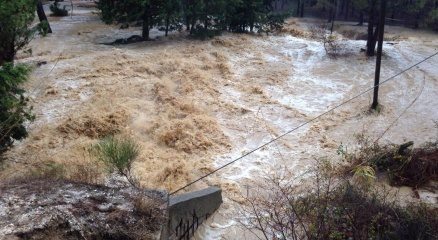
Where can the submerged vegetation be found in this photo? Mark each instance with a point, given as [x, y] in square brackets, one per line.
[349, 200]
[403, 164]
[57, 11]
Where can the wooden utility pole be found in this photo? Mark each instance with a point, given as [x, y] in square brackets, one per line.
[379, 54]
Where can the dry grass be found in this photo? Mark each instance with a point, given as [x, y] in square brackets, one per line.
[86, 172]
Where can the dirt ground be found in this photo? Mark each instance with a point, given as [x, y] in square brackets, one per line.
[195, 105]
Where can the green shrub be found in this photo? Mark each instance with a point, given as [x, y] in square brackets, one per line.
[118, 155]
[14, 109]
[43, 28]
[57, 11]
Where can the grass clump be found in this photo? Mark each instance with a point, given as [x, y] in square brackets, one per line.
[48, 170]
[118, 154]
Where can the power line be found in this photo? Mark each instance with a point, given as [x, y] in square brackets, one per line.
[403, 112]
[303, 124]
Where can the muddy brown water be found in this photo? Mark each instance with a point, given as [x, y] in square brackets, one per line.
[194, 105]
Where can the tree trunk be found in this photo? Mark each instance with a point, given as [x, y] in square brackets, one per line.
[42, 15]
[347, 9]
[186, 13]
[334, 16]
[381, 28]
[145, 27]
[192, 27]
[360, 18]
[371, 46]
[370, 38]
[330, 14]
[298, 8]
[167, 24]
[206, 14]
[206, 23]
[187, 23]
[417, 20]
[333, 24]
[343, 2]
[302, 9]
[8, 53]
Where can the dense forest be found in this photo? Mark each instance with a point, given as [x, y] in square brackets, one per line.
[200, 17]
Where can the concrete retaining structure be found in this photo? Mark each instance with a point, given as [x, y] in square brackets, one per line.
[187, 211]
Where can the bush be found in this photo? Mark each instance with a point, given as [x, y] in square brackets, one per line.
[118, 155]
[404, 165]
[14, 109]
[333, 208]
[414, 168]
[57, 11]
[85, 172]
[332, 44]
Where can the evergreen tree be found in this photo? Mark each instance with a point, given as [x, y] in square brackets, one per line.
[14, 111]
[170, 16]
[201, 17]
[361, 6]
[16, 17]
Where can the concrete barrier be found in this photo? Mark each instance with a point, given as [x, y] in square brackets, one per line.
[187, 211]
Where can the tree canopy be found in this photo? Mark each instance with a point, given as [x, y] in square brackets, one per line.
[16, 17]
[15, 32]
[201, 17]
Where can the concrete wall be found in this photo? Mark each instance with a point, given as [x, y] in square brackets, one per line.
[190, 208]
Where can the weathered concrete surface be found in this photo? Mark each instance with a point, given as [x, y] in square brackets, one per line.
[47, 209]
[183, 207]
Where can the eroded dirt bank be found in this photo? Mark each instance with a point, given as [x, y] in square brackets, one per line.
[195, 105]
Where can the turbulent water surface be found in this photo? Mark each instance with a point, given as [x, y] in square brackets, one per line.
[195, 106]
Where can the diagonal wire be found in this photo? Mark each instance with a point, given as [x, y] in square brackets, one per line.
[303, 124]
[403, 112]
